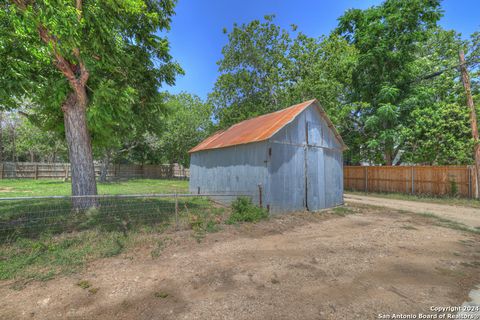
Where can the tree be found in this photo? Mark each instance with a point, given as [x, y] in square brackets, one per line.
[387, 38]
[266, 68]
[437, 131]
[76, 59]
[186, 123]
[252, 72]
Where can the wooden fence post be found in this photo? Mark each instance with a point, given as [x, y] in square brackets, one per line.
[1, 168]
[36, 171]
[366, 178]
[260, 204]
[469, 174]
[176, 210]
[413, 179]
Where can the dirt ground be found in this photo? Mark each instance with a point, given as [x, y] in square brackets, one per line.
[297, 266]
[470, 217]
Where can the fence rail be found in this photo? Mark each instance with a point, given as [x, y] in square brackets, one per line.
[428, 180]
[32, 170]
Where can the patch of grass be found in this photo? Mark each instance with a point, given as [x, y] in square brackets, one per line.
[84, 284]
[93, 290]
[28, 188]
[446, 223]
[342, 211]
[408, 227]
[44, 258]
[243, 210]
[448, 200]
[160, 246]
[206, 221]
[161, 294]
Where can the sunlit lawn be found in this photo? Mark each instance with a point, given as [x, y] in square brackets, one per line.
[27, 187]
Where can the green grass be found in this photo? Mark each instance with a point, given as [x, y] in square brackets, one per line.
[342, 211]
[474, 203]
[28, 187]
[44, 258]
[39, 245]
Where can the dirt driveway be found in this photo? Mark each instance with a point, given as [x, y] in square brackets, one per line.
[470, 217]
[298, 266]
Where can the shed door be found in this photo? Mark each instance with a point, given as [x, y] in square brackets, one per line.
[315, 178]
[287, 178]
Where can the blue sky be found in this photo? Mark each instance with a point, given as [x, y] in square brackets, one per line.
[196, 37]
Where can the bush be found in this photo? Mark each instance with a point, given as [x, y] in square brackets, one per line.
[243, 210]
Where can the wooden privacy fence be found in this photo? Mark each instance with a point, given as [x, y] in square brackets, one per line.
[31, 170]
[428, 180]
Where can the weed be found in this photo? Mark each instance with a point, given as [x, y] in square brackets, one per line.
[342, 211]
[243, 210]
[161, 294]
[160, 245]
[93, 290]
[453, 188]
[408, 227]
[446, 223]
[84, 284]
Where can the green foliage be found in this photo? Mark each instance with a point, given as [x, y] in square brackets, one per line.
[186, 122]
[22, 140]
[265, 68]
[388, 38]
[118, 44]
[243, 210]
[205, 221]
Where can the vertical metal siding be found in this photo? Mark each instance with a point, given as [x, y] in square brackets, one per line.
[237, 169]
[287, 178]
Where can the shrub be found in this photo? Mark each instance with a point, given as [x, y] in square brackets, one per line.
[243, 210]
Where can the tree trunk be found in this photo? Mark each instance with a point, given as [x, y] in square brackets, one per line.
[388, 158]
[79, 152]
[104, 168]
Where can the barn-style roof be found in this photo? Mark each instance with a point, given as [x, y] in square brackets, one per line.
[260, 128]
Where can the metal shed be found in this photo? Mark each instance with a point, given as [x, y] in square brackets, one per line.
[295, 154]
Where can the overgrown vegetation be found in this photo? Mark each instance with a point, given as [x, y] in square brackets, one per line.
[243, 210]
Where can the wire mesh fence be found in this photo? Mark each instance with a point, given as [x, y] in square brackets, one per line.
[39, 216]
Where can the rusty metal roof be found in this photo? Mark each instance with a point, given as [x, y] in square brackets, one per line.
[258, 129]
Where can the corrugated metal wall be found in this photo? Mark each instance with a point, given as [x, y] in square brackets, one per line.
[305, 176]
[294, 175]
[239, 169]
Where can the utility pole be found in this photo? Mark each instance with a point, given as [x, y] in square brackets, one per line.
[473, 118]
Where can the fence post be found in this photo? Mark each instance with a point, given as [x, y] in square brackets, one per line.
[176, 210]
[1, 168]
[66, 173]
[36, 171]
[366, 178]
[260, 204]
[469, 174]
[198, 190]
[413, 179]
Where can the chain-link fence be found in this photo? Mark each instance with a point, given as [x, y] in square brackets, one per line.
[39, 216]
